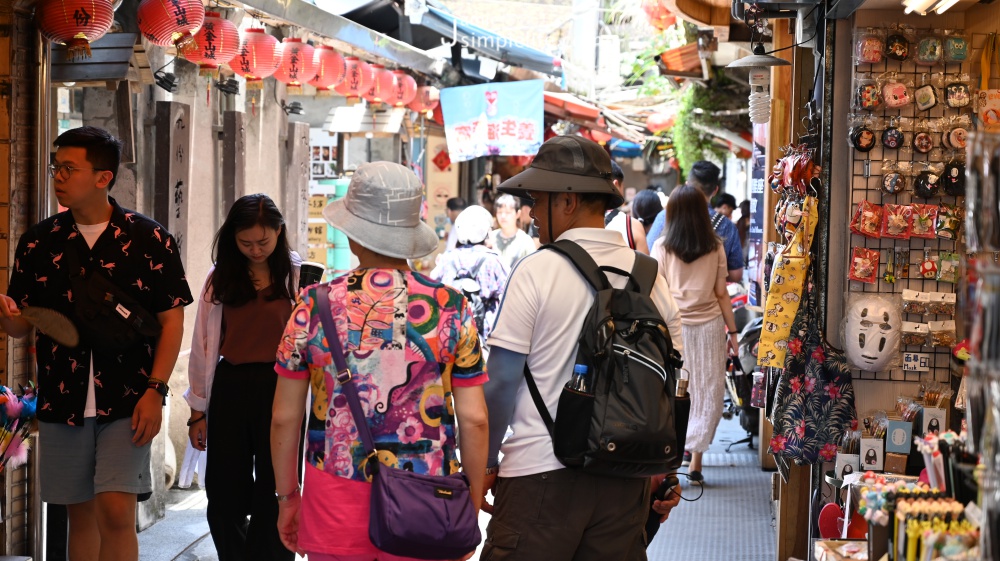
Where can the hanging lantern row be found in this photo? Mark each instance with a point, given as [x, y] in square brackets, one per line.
[209, 40]
[74, 23]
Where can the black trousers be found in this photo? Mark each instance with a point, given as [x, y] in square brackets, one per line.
[240, 479]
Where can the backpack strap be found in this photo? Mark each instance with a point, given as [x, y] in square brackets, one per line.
[583, 262]
[536, 397]
[644, 272]
[628, 232]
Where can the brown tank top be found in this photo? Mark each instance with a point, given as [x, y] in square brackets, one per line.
[251, 332]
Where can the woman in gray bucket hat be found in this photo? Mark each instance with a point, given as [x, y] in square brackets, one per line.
[413, 349]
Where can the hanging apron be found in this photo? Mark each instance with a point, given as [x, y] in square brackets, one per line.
[784, 294]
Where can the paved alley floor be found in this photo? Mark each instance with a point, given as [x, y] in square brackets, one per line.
[731, 522]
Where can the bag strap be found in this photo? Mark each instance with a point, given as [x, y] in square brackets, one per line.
[628, 232]
[344, 373]
[583, 262]
[74, 262]
[536, 397]
[644, 273]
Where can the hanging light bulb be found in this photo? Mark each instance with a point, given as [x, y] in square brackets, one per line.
[760, 81]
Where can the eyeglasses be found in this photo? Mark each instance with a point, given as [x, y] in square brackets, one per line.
[64, 170]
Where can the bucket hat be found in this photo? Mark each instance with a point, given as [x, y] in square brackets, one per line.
[567, 164]
[381, 212]
[473, 224]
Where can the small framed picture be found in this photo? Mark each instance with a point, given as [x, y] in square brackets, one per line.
[316, 152]
[318, 169]
[331, 169]
[325, 150]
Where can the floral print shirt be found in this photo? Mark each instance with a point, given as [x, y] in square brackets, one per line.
[409, 340]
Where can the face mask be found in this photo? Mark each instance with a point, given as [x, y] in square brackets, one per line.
[872, 333]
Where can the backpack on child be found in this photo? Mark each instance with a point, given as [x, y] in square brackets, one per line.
[616, 413]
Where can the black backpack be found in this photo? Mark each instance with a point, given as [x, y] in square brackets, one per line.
[622, 424]
[467, 281]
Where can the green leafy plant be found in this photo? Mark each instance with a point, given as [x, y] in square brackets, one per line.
[696, 109]
[645, 70]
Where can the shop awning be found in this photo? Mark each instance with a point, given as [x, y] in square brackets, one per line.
[303, 14]
[565, 106]
[488, 43]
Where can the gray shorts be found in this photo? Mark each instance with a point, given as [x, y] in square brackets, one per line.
[76, 463]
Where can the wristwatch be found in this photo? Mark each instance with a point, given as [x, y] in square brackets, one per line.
[493, 470]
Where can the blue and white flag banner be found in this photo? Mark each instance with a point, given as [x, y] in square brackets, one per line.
[498, 119]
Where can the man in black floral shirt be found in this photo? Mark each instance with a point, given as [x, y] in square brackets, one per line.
[98, 409]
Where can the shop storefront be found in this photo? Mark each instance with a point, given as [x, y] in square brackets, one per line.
[876, 282]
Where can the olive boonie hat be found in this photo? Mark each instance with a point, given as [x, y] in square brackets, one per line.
[567, 164]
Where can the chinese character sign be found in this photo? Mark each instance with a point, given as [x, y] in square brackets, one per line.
[500, 119]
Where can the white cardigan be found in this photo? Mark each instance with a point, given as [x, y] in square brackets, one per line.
[205, 343]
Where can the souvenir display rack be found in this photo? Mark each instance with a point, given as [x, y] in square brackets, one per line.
[866, 184]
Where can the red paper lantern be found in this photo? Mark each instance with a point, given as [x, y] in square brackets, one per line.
[375, 92]
[425, 100]
[295, 65]
[215, 44]
[401, 88]
[164, 22]
[74, 23]
[258, 57]
[659, 16]
[659, 122]
[357, 78]
[330, 68]
[600, 136]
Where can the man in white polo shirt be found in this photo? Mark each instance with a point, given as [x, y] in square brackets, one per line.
[544, 510]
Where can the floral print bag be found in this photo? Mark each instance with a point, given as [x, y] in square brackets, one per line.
[814, 401]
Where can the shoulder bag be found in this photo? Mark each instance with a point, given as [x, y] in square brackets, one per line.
[107, 318]
[412, 515]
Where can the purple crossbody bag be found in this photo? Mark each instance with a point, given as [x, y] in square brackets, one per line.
[412, 515]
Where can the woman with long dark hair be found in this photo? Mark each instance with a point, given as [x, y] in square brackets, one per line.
[693, 260]
[244, 306]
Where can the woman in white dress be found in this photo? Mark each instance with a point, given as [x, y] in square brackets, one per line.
[693, 260]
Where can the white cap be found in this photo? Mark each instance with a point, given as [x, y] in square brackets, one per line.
[473, 224]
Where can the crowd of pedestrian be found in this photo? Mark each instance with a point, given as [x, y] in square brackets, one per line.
[430, 356]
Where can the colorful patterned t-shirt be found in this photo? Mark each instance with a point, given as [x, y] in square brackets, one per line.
[408, 341]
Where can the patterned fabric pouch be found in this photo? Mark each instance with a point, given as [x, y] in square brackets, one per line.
[785, 291]
[814, 401]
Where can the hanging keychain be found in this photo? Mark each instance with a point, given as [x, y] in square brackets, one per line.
[928, 267]
[890, 269]
[904, 260]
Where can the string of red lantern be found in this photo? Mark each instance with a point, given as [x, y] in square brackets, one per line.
[375, 92]
[295, 66]
[659, 122]
[258, 57]
[330, 68]
[215, 44]
[74, 23]
[164, 22]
